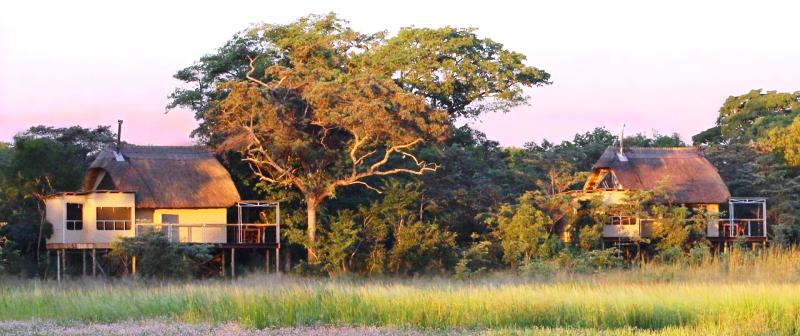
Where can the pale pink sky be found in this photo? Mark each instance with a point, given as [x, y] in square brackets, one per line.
[652, 65]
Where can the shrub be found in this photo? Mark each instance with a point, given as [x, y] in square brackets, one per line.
[158, 257]
[598, 260]
[476, 259]
[422, 248]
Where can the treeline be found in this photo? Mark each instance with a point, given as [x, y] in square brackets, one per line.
[356, 134]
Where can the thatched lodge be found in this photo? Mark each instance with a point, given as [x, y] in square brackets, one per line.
[143, 184]
[182, 191]
[691, 181]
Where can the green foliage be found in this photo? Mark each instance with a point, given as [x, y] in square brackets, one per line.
[476, 259]
[421, 248]
[751, 116]
[478, 74]
[40, 161]
[656, 140]
[456, 70]
[158, 257]
[523, 231]
[785, 141]
[386, 236]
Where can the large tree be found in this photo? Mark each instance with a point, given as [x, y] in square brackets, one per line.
[318, 106]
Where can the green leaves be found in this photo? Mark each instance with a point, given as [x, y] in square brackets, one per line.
[457, 71]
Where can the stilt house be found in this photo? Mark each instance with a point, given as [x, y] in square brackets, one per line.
[182, 191]
[692, 180]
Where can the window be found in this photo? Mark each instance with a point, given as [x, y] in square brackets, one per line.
[622, 220]
[74, 216]
[113, 218]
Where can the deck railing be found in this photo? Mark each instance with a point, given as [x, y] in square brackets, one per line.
[751, 227]
[245, 233]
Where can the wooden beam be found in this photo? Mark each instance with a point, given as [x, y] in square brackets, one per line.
[94, 263]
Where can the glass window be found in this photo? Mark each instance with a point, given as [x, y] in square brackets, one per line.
[622, 220]
[113, 218]
[74, 216]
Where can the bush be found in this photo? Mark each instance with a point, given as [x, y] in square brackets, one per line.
[598, 260]
[475, 260]
[422, 248]
[539, 269]
[157, 257]
[699, 253]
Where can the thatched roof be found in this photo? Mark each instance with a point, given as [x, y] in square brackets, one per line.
[691, 178]
[165, 176]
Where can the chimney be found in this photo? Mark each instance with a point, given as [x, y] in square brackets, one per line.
[621, 155]
[117, 154]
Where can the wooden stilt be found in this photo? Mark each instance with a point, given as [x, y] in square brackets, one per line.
[83, 261]
[58, 265]
[233, 262]
[133, 265]
[222, 269]
[94, 263]
[64, 261]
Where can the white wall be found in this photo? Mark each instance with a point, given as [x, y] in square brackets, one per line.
[213, 233]
[56, 214]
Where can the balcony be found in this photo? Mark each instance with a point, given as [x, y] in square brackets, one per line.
[243, 234]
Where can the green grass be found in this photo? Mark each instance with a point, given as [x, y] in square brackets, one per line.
[716, 297]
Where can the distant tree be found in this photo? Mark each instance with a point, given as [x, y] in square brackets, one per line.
[785, 141]
[751, 116]
[656, 140]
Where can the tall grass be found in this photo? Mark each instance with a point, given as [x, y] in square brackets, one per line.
[738, 292]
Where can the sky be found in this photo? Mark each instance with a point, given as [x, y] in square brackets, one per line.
[652, 65]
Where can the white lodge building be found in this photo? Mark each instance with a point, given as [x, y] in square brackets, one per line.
[144, 185]
[184, 192]
[692, 179]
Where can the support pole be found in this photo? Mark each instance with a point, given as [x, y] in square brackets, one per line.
[83, 262]
[58, 265]
[94, 263]
[133, 265]
[278, 259]
[222, 269]
[64, 260]
[233, 262]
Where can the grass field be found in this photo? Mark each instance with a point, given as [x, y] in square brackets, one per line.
[735, 295]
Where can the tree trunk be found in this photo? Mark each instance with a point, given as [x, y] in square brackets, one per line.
[311, 211]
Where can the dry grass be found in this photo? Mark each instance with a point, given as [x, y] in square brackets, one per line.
[740, 293]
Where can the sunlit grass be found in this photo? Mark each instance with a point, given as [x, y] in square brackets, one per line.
[738, 294]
